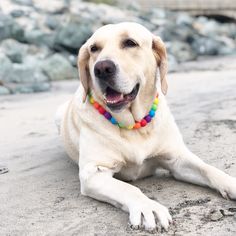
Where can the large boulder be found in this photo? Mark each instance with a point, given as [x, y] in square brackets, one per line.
[57, 67]
[23, 73]
[39, 38]
[5, 68]
[10, 29]
[212, 46]
[181, 51]
[4, 90]
[14, 50]
[72, 35]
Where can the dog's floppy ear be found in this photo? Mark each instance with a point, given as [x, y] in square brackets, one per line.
[160, 54]
[83, 69]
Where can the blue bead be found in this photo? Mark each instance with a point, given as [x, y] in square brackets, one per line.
[113, 120]
[152, 113]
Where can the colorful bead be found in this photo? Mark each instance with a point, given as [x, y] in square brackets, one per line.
[113, 120]
[91, 100]
[152, 113]
[107, 115]
[137, 125]
[121, 125]
[96, 105]
[101, 110]
[155, 101]
[154, 107]
[143, 122]
[148, 118]
[130, 127]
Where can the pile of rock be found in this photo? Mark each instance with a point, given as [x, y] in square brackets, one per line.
[40, 39]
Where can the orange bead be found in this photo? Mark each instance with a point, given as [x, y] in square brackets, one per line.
[96, 105]
[137, 125]
[143, 122]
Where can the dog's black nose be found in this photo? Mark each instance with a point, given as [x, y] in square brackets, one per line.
[104, 69]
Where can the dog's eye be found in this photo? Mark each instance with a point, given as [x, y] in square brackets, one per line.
[94, 48]
[129, 43]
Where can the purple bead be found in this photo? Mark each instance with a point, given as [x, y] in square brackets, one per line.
[148, 118]
[107, 115]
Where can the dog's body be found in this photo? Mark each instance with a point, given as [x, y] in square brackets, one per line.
[107, 154]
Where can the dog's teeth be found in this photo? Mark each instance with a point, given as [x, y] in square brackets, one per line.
[105, 96]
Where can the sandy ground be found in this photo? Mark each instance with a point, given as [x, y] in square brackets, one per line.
[40, 195]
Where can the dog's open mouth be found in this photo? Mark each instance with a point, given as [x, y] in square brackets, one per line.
[116, 100]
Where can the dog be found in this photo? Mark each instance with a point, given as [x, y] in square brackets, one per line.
[118, 127]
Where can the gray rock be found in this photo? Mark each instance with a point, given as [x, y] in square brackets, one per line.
[172, 63]
[57, 67]
[23, 89]
[17, 33]
[5, 68]
[14, 50]
[208, 46]
[5, 26]
[72, 36]
[4, 90]
[41, 87]
[17, 13]
[24, 2]
[23, 73]
[159, 13]
[184, 19]
[32, 87]
[39, 38]
[52, 22]
[182, 51]
[171, 32]
[10, 29]
[209, 28]
[53, 6]
[73, 60]
[3, 170]
[215, 215]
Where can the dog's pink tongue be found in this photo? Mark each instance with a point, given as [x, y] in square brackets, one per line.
[113, 96]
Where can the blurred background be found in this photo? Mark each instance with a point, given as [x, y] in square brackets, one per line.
[40, 39]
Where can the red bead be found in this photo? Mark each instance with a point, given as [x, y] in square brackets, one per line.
[137, 125]
[96, 105]
[101, 110]
[143, 122]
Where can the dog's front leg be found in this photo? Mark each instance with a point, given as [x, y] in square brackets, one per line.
[98, 182]
[186, 166]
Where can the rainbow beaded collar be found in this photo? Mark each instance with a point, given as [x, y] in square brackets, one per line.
[138, 124]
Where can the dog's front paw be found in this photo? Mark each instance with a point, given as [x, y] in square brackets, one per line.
[229, 191]
[146, 213]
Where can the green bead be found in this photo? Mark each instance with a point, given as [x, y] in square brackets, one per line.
[154, 107]
[121, 125]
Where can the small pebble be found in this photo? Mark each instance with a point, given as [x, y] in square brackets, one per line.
[215, 216]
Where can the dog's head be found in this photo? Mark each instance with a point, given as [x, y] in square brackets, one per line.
[120, 61]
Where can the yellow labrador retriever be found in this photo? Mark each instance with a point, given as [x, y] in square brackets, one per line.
[117, 130]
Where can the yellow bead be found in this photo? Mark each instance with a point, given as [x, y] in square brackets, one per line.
[130, 127]
[156, 101]
[91, 100]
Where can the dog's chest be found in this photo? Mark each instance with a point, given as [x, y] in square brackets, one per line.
[133, 171]
[137, 148]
